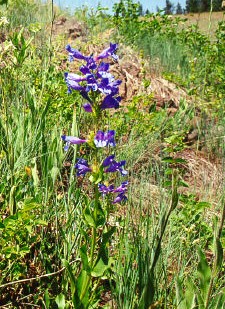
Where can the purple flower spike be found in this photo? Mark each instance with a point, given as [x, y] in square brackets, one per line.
[110, 51]
[82, 167]
[110, 102]
[87, 107]
[120, 198]
[105, 139]
[72, 140]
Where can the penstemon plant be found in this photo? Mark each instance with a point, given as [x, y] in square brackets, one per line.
[100, 91]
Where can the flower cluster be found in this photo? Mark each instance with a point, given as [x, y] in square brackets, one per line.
[94, 78]
[94, 81]
[122, 189]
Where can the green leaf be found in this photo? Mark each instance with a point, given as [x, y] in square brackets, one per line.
[204, 273]
[190, 296]
[219, 300]
[60, 301]
[219, 254]
[168, 160]
[182, 183]
[99, 268]
[84, 258]
[71, 275]
[83, 290]
[2, 225]
[89, 218]
[54, 173]
[108, 235]
[41, 222]
[179, 294]
[47, 299]
[194, 289]
[29, 204]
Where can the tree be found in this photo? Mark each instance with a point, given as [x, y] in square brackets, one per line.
[217, 5]
[192, 6]
[179, 9]
[205, 5]
[169, 8]
[140, 9]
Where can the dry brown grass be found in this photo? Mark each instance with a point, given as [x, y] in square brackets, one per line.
[206, 22]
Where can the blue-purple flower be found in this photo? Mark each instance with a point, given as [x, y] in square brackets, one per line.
[82, 167]
[74, 53]
[72, 140]
[110, 51]
[96, 78]
[87, 107]
[113, 166]
[73, 80]
[110, 102]
[104, 189]
[122, 189]
[105, 139]
[120, 198]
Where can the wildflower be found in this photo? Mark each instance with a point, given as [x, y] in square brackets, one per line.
[110, 102]
[87, 107]
[108, 160]
[72, 81]
[105, 139]
[113, 166]
[122, 188]
[110, 51]
[72, 140]
[120, 198]
[104, 189]
[74, 53]
[82, 167]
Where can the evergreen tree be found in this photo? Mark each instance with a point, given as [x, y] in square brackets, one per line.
[179, 9]
[140, 9]
[157, 9]
[192, 6]
[205, 5]
[217, 5]
[169, 8]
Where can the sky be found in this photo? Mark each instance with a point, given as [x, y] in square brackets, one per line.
[147, 4]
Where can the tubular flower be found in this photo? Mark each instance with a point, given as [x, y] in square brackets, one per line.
[110, 102]
[72, 81]
[74, 53]
[120, 198]
[110, 51]
[104, 189]
[113, 166]
[82, 167]
[105, 139]
[87, 107]
[122, 188]
[72, 140]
